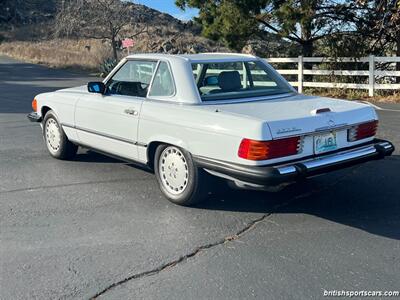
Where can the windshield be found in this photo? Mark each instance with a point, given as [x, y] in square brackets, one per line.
[240, 79]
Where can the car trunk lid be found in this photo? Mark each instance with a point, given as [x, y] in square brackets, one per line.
[300, 114]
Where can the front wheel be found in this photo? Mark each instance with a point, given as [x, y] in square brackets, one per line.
[180, 180]
[56, 141]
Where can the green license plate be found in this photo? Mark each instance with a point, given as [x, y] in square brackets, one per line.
[325, 142]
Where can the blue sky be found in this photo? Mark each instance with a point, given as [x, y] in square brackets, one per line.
[168, 6]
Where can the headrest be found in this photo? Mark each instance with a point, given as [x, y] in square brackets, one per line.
[229, 81]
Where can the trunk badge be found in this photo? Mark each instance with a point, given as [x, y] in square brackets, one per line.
[331, 123]
[287, 130]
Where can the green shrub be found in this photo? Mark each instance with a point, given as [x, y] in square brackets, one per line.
[107, 66]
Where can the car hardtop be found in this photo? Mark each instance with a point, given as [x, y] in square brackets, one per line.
[196, 58]
[181, 70]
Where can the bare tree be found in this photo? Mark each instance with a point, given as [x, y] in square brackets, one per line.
[98, 19]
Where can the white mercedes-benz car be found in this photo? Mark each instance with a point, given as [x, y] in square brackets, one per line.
[192, 117]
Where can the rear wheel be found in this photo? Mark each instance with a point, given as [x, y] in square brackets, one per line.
[56, 141]
[180, 180]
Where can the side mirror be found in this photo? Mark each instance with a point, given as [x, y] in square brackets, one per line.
[96, 87]
[211, 80]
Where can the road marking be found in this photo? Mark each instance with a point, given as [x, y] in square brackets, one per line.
[378, 107]
[373, 105]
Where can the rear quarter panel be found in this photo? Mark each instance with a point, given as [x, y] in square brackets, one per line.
[200, 131]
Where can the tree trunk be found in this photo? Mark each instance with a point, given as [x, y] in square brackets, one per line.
[114, 48]
[398, 54]
[307, 51]
[307, 48]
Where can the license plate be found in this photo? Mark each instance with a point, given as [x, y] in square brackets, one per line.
[325, 142]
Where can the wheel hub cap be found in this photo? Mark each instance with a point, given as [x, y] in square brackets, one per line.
[173, 170]
[53, 136]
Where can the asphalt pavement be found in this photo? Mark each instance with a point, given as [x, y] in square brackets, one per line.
[99, 227]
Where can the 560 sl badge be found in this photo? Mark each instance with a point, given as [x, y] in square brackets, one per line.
[286, 130]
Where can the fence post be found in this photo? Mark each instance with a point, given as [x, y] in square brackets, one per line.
[300, 74]
[371, 77]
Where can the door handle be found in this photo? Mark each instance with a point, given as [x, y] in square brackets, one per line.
[131, 112]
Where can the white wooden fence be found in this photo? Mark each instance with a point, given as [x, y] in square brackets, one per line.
[372, 73]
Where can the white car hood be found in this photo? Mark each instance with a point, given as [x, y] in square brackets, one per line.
[77, 89]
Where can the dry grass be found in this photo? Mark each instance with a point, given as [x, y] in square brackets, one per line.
[352, 94]
[88, 54]
[59, 53]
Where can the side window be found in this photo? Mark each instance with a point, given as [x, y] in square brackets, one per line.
[132, 79]
[260, 78]
[163, 83]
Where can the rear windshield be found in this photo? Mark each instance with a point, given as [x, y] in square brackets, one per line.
[233, 80]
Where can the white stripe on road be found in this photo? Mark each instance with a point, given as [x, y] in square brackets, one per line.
[378, 107]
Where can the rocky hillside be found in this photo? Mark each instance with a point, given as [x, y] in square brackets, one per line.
[21, 13]
[16, 13]
[22, 20]
[154, 17]
[27, 33]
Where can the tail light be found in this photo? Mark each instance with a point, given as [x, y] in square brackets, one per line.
[362, 131]
[262, 150]
[34, 105]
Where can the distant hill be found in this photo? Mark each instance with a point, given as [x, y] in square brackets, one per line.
[15, 13]
[23, 12]
[19, 20]
[27, 32]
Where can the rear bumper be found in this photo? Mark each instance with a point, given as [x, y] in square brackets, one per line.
[289, 172]
[34, 117]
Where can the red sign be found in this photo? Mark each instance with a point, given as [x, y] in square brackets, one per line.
[126, 43]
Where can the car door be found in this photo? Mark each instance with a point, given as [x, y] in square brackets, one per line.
[109, 121]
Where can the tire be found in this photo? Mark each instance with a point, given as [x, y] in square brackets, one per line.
[55, 139]
[180, 180]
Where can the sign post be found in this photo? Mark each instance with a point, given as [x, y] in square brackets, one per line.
[127, 43]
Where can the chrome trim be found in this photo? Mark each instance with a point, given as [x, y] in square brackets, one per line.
[286, 130]
[333, 128]
[339, 157]
[140, 144]
[335, 158]
[120, 139]
[385, 145]
[131, 112]
[300, 145]
[152, 80]
[320, 110]
[319, 130]
[68, 125]
[249, 99]
[286, 170]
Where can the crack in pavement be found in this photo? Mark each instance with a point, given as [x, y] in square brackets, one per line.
[185, 257]
[72, 184]
[226, 239]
